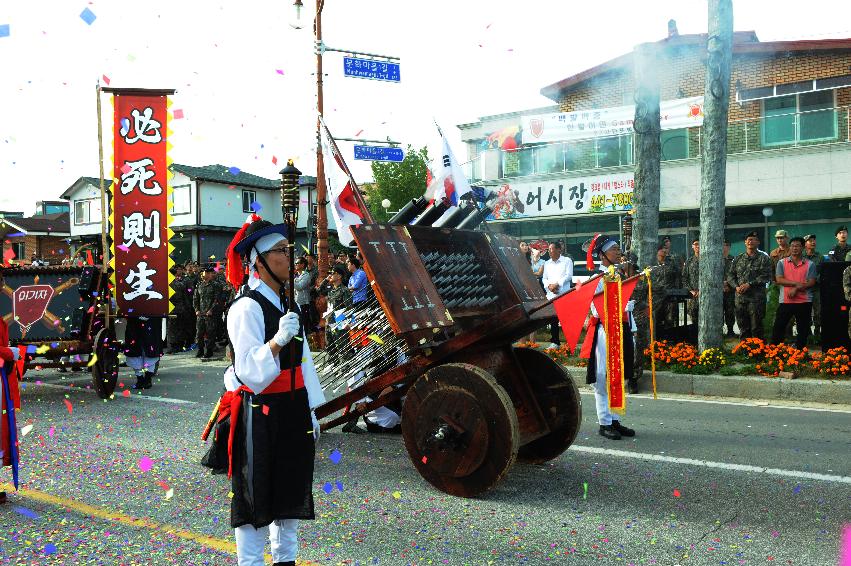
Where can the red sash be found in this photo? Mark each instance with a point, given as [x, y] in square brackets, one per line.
[231, 403]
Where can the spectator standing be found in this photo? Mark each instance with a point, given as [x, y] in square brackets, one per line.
[782, 249]
[814, 256]
[357, 282]
[557, 277]
[673, 279]
[749, 274]
[692, 278]
[179, 333]
[302, 291]
[796, 277]
[339, 297]
[729, 293]
[840, 250]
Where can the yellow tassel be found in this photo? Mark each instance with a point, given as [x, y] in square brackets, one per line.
[652, 337]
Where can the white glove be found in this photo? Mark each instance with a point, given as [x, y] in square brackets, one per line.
[287, 328]
[630, 304]
[316, 429]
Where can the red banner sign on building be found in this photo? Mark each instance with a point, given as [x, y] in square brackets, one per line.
[139, 210]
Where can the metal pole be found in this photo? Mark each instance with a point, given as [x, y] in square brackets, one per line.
[321, 190]
[103, 204]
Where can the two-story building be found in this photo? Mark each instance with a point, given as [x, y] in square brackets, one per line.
[208, 205]
[566, 171]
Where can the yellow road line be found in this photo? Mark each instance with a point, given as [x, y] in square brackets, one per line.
[221, 545]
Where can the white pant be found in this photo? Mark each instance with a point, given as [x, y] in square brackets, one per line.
[250, 542]
[601, 396]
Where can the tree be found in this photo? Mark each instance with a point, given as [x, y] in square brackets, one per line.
[397, 182]
[713, 174]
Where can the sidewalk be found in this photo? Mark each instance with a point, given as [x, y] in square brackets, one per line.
[828, 391]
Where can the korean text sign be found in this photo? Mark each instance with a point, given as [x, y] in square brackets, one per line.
[139, 212]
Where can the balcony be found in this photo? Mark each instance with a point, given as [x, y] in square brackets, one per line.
[768, 133]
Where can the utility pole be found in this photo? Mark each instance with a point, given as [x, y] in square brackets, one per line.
[713, 177]
[645, 197]
[321, 189]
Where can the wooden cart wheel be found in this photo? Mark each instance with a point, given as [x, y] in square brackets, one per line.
[460, 429]
[105, 368]
[559, 399]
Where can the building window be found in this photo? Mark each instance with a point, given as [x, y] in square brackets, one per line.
[615, 151]
[798, 118]
[87, 211]
[248, 198]
[180, 200]
[19, 249]
[674, 144]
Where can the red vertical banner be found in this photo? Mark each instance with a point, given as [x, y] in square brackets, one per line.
[613, 324]
[139, 220]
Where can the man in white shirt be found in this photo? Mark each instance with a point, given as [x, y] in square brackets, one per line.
[558, 275]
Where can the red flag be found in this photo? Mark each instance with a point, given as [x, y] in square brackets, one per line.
[613, 323]
[571, 310]
[626, 293]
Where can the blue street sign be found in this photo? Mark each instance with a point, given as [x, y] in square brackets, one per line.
[374, 70]
[379, 153]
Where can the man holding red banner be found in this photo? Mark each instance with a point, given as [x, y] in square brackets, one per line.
[606, 352]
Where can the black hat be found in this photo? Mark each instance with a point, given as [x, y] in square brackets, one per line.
[255, 231]
[840, 229]
[751, 234]
[339, 270]
[809, 237]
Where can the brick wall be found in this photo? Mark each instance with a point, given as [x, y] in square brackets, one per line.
[51, 248]
[682, 76]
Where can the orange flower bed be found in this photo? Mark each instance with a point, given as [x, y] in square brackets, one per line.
[834, 362]
[680, 353]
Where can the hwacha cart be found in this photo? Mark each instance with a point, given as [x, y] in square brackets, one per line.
[58, 313]
[448, 306]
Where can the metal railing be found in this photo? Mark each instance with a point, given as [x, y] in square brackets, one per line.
[766, 133]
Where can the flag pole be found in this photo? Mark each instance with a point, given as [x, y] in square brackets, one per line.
[103, 208]
[365, 213]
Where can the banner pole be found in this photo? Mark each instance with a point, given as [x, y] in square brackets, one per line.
[103, 212]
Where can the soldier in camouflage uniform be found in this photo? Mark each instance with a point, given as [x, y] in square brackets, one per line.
[178, 332]
[691, 278]
[339, 297]
[209, 304]
[841, 249]
[814, 256]
[673, 280]
[729, 293]
[749, 274]
[846, 287]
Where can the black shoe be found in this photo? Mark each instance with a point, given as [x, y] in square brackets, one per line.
[2, 497]
[609, 432]
[633, 385]
[171, 351]
[142, 382]
[149, 379]
[63, 370]
[288, 563]
[352, 426]
[200, 353]
[624, 431]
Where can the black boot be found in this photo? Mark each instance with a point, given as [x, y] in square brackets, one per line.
[141, 381]
[149, 380]
[624, 431]
[633, 385]
[287, 563]
[609, 432]
[200, 353]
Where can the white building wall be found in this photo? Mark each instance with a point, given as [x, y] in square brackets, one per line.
[86, 192]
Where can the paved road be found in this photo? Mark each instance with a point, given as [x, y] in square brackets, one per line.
[702, 483]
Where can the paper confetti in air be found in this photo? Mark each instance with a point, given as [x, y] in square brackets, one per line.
[376, 338]
[125, 169]
[105, 80]
[233, 170]
[397, 495]
[676, 493]
[169, 494]
[265, 409]
[25, 430]
[585, 490]
[126, 393]
[50, 549]
[51, 431]
[328, 488]
[4, 32]
[93, 360]
[89, 17]
[178, 114]
[42, 349]
[145, 463]
[256, 206]
[122, 247]
[339, 485]
[335, 456]
[68, 406]
[279, 71]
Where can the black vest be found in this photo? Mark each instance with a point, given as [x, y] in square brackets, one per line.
[271, 318]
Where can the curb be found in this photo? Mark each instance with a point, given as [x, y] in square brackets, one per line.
[825, 391]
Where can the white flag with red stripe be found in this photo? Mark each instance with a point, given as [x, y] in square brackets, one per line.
[341, 187]
[450, 182]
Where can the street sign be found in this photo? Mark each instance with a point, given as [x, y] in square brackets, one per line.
[373, 70]
[379, 153]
